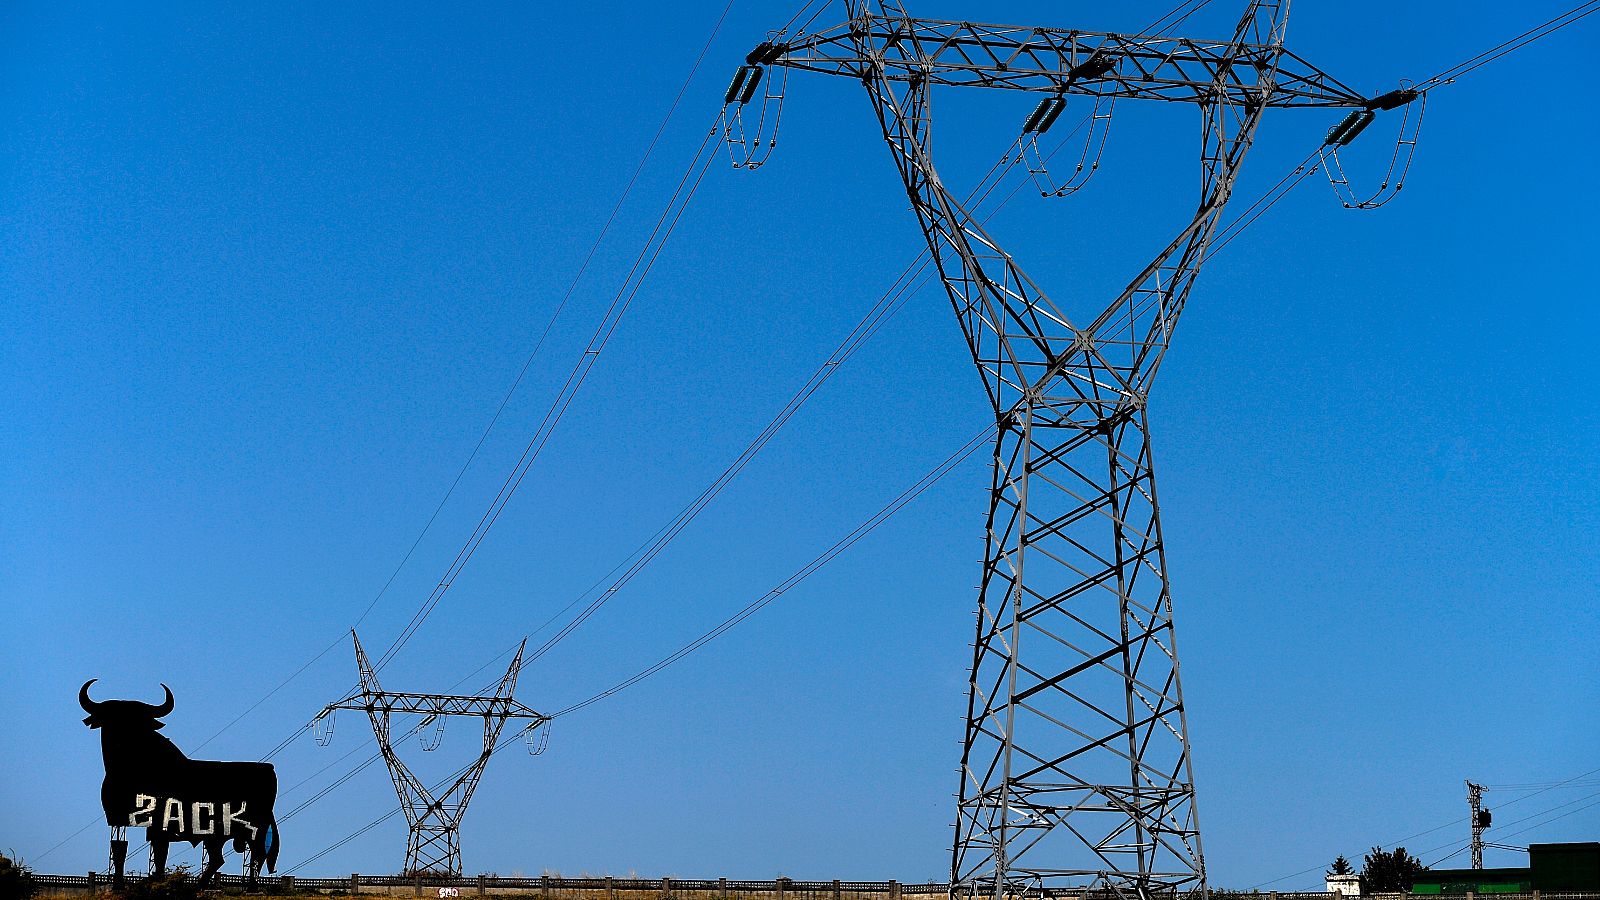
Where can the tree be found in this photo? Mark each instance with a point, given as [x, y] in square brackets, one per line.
[1389, 873]
[16, 881]
[1341, 866]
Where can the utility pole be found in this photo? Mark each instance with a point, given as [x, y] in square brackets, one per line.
[433, 847]
[1075, 767]
[1481, 819]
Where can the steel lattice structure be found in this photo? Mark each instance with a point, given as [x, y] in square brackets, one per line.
[433, 846]
[1076, 762]
[1479, 820]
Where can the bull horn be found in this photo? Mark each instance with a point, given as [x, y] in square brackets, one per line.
[166, 705]
[89, 706]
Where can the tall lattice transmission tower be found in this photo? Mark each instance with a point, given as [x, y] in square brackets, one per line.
[433, 846]
[1075, 767]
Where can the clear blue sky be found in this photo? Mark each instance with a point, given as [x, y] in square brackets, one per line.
[267, 272]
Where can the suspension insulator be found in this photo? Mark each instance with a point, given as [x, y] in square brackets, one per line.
[1337, 133]
[1393, 99]
[750, 85]
[1037, 115]
[1359, 126]
[765, 53]
[1093, 67]
[738, 83]
[1054, 114]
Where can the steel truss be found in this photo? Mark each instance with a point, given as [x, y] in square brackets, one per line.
[1076, 761]
[433, 847]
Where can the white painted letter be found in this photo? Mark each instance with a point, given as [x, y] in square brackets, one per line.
[210, 826]
[144, 813]
[173, 812]
[229, 817]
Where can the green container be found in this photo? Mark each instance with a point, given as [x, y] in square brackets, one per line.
[1477, 881]
[1565, 867]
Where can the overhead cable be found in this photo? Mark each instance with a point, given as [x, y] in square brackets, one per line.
[566, 296]
[800, 575]
[1535, 33]
[539, 343]
[665, 225]
[904, 286]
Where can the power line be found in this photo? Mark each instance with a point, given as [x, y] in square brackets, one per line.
[806, 571]
[1245, 225]
[1456, 852]
[539, 343]
[889, 303]
[1535, 33]
[1265, 202]
[589, 257]
[800, 575]
[1593, 798]
[1163, 21]
[665, 225]
[1242, 223]
[897, 296]
[904, 286]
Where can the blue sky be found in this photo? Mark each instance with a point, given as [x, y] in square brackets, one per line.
[268, 273]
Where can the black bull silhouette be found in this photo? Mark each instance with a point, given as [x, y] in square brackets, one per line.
[150, 784]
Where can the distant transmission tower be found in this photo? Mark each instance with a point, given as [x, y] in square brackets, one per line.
[1481, 819]
[434, 844]
[1075, 767]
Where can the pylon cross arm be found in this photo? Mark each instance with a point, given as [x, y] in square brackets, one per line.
[1064, 61]
[437, 705]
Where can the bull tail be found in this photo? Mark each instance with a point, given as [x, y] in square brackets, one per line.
[272, 843]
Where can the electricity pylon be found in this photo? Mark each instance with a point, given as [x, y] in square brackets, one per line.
[1075, 764]
[433, 846]
[1480, 818]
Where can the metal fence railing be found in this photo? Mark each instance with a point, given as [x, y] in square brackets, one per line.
[550, 887]
[544, 887]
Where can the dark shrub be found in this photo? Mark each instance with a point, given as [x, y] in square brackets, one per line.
[177, 884]
[16, 880]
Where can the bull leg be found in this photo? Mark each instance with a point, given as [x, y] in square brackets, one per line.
[119, 856]
[213, 863]
[158, 856]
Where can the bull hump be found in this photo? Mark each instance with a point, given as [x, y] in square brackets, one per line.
[257, 772]
[235, 766]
